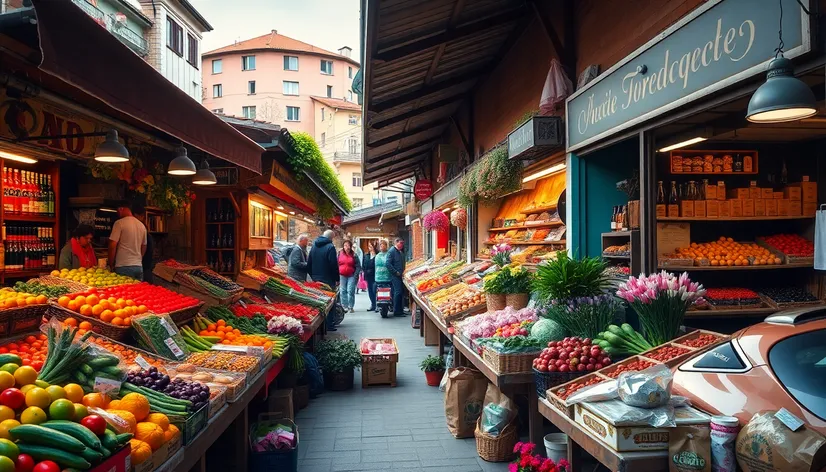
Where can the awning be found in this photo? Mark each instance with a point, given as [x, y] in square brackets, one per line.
[390, 214]
[76, 50]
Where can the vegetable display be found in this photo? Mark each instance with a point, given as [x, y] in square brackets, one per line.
[572, 354]
[93, 277]
[161, 336]
[158, 299]
[214, 314]
[36, 288]
[622, 340]
[194, 392]
[280, 287]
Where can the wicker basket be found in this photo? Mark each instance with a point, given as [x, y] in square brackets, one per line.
[517, 301]
[546, 380]
[118, 333]
[22, 319]
[57, 281]
[496, 301]
[509, 363]
[496, 448]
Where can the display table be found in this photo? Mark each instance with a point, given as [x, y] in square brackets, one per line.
[580, 438]
[430, 317]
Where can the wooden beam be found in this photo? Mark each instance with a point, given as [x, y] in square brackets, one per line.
[395, 166]
[429, 89]
[434, 64]
[407, 133]
[397, 151]
[465, 142]
[550, 32]
[396, 179]
[408, 47]
[418, 111]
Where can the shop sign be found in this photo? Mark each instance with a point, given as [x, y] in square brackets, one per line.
[225, 175]
[720, 43]
[537, 132]
[373, 229]
[21, 118]
[423, 189]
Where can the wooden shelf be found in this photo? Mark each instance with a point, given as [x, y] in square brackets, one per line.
[12, 274]
[731, 312]
[220, 249]
[736, 218]
[734, 268]
[538, 209]
[713, 173]
[548, 224]
[30, 218]
[528, 243]
[608, 256]
[617, 234]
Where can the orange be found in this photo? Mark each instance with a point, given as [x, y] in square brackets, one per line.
[120, 313]
[142, 309]
[6, 413]
[41, 299]
[85, 325]
[86, 310]
[70, 321]
[130, 303]
[31, 300]
[38, 397]
[97, 310]
[107, 316]
[74, 392]
[73, 305]
[94, 399]
[92, 299]
[121, 302]
[56, 392]
[127, 321]
[7, 380]
[33, 415]
[6, 425]
[118, 321]
[81, 300]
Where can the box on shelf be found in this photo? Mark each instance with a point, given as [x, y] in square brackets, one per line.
[748, 207]
[700, 208]
[711, 192]
[552, 394]
[795, 208]
[120, 461]
[725, 208]
[777, 195]
[809, 208]
[736, 207]
[755, 192]
[792, 193]
[687, 208]
[783, 207]
[760, 207]
[673, 211]
[738, 193]
[808, 190]
[767, 193]
[771, 207]
[712, 208]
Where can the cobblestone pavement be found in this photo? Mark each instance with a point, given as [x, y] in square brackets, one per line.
[384, 428]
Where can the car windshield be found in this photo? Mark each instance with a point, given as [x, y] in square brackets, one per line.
[800, 364]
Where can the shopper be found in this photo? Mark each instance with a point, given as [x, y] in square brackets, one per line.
[349, 267]
[78, 251]
[127, 244]
[323, 265]
[298, 267]
[146, 260]
[395, 265]
[360, 255]
[368, 265]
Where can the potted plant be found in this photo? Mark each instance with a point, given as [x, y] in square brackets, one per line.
[517, 287]
[527, 461]
[338, 358]
[433, 368]
[494, 287]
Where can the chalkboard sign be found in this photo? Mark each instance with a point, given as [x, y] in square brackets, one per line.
[226, 175]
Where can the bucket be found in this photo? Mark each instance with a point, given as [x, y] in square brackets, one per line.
[556, 446]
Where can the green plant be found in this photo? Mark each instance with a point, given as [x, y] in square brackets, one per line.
[338, 355]
[493, 177]
[525, 117]
[511, 279]
[585, 317]
[432, 364]
[563, 278]
[307, 158]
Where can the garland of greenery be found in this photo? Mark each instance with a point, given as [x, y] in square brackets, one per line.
[307, 157]
[490, 179]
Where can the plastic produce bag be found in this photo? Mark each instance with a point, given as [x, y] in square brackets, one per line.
[448, 363]
[820, 239]
[556, 90]
[498, 411]
[766, 444]
[648, 388]
[161, 336]
[619, 413]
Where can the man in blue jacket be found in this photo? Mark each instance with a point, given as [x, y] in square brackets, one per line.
[395, 264]
[322, 264]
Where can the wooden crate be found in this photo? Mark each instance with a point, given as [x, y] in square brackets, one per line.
[379, 369]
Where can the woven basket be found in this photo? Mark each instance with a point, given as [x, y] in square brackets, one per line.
[509, 363]
[184, 315]
[301, 396]
[118, 333]
[51, 280]
[496, 448]
[517, 301]
[547, 380]
[496, 301]
[21, 319]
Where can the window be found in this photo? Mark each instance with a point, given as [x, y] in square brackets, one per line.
[174, 36]
[394, 199]
[251, 87]
[327, 67]
[192, 50]
[249, 112]
[217, 66]
[350, 72]
[329, 91]
[357, 179]
[290, 88]
[358, 202]
[293, 114]
[349, 95]
[218, 110]
[290, 62]
[323, 139]
[799, 362]
[247, 62]
[323, 114]
[352, 145]
[217, 91]
[353, 120]
[376, 201]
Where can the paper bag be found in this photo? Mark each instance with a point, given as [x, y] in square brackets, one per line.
[463, 400]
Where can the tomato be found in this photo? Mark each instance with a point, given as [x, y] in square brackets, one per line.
[37, 365]
[25, 463]
[95, 423]
[12, 398]
[46, 466]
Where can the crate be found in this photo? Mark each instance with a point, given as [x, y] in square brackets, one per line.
[168, 273]
[192, 425]
[674, 361]
[611, 370]
[509, 363]
[548, 380]
[379, 369]
[696, 334]
[234, 389]
[218, 399]
[554, 398]
[281, 400]
[282, 461]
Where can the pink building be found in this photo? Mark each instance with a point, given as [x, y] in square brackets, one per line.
[272, 77]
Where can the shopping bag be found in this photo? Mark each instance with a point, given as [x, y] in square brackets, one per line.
[463, 400]
[820, 239]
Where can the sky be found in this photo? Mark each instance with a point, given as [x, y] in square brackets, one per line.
[328, 24]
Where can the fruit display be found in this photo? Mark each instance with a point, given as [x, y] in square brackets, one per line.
[105, 307]
[305, 314]
[159, 334]
[732, 297]
[572, 354]
[257, 324]
[666, 353]
[469, 300]
[567, 390]
[727, 252]
[783, 296]
[223, 333]
[159, 300]
[620, 340]
[791, 245]
[30, 350]
[430, 284]
[224, 361]
[93, 277]
[440, 296]
[195, 392]
[36, 288]
[10, 298]
[633, 366]
[126, 353]
[378, 346]
[704, 339]
[522, 328]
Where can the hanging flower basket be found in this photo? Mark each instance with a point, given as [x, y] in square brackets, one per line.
[458, 218]
[435, 220]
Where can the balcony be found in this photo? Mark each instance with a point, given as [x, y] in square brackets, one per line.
[344, 156]
[125, 34]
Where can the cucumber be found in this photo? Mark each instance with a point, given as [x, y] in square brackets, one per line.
[63, 458]
[91, 455]
[109, 439]
[80, 377]
[124, 438]
[35, 434]
[75, 430]
[112, 370]
[10, 358]
[211, 339]
[105, 451]
[103, 361]
[86, 369]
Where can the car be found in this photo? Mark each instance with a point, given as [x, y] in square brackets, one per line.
[778, 363]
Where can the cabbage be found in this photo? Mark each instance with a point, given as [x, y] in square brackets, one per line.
[547, 330]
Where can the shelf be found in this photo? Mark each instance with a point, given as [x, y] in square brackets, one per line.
[712, 173]
[731, 312]
[30, 218]
[538, 209]
[617, 234]
[606, 256]
[734, 268]
[737, 218]
[538, 225]
[529, 243]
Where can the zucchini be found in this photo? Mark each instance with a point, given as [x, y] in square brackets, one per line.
[80, 377]
[42, 384]
[91, 455]
[10, 358]
[34, 434]
[86, 369]
[103, 361]
[45, 453]
[112, 370]
[109, 439]
[75, 430]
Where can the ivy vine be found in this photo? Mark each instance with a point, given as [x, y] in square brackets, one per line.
[307, 157]
[493, 177]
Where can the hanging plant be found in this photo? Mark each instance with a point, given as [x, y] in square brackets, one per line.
[435, 220]
[491, 179]
[153, 185]
[458, 218]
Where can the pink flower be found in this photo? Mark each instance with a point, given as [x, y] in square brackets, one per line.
[517, 447]
[527, 448]
[565, 465]
[512, 467]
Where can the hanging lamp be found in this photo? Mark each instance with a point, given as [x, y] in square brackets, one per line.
[182, 164]
[204, 176]
[111, 150]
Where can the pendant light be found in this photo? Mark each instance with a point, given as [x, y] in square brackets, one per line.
[182, 164]
[111, 150]
[204, 176]
[783, 97]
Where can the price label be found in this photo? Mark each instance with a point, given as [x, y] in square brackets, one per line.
[790, 420]
[268, 299]
[142, 362]
[241, 302]
[256, 351]
[169, 328]
[105, 385]
[170, 343]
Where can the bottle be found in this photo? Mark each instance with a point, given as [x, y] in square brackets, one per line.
[661, 209]
[15, 197]
[748, 164]
[220, 213]
[738, 163]
[6, 199]
[673, 205]
[50, 194]
[229, 240]
[614, 219]
[625, 218]
[784, 174]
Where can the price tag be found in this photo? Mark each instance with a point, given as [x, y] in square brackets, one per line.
[105, 385]
[241, 302]
[170, 343]
[142, 362]
[790, 420]
[169, 328]
[256, 351]
[230, 348]
[268, 299]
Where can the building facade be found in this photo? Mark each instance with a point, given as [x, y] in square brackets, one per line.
[273, 77]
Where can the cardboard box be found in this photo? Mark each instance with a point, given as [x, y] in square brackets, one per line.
[771, 207]
[282, 401]
[626, 438]
[736, 208]
[738, 193]
[673, 211]
[661, 211]
[760, 207]
[792, 193]
[174, 459]
[783, 207]
[699, 208]
[777, 195]
[755, 192]
[808, 191]
[809, 209]
[712, 208]
[767, 193]
[725, 209]
[379, 368]
[721, 190]
[711, 192]
[120, 461]
[795, 208]
[687, 209]
[748, 207]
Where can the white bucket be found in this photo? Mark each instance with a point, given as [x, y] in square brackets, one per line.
[556, 446]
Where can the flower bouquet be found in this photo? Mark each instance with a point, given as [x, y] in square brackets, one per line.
[526, 462]
[436, 220]
[501, 254]
[661, 301]
[284, 325]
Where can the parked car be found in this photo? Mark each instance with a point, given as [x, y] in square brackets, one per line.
[779, 363]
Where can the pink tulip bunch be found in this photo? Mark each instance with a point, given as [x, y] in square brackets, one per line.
[501, 254]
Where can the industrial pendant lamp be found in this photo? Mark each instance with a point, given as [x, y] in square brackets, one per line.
[182, 164]
[111, 150]
[204, 176]
[783, 97]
